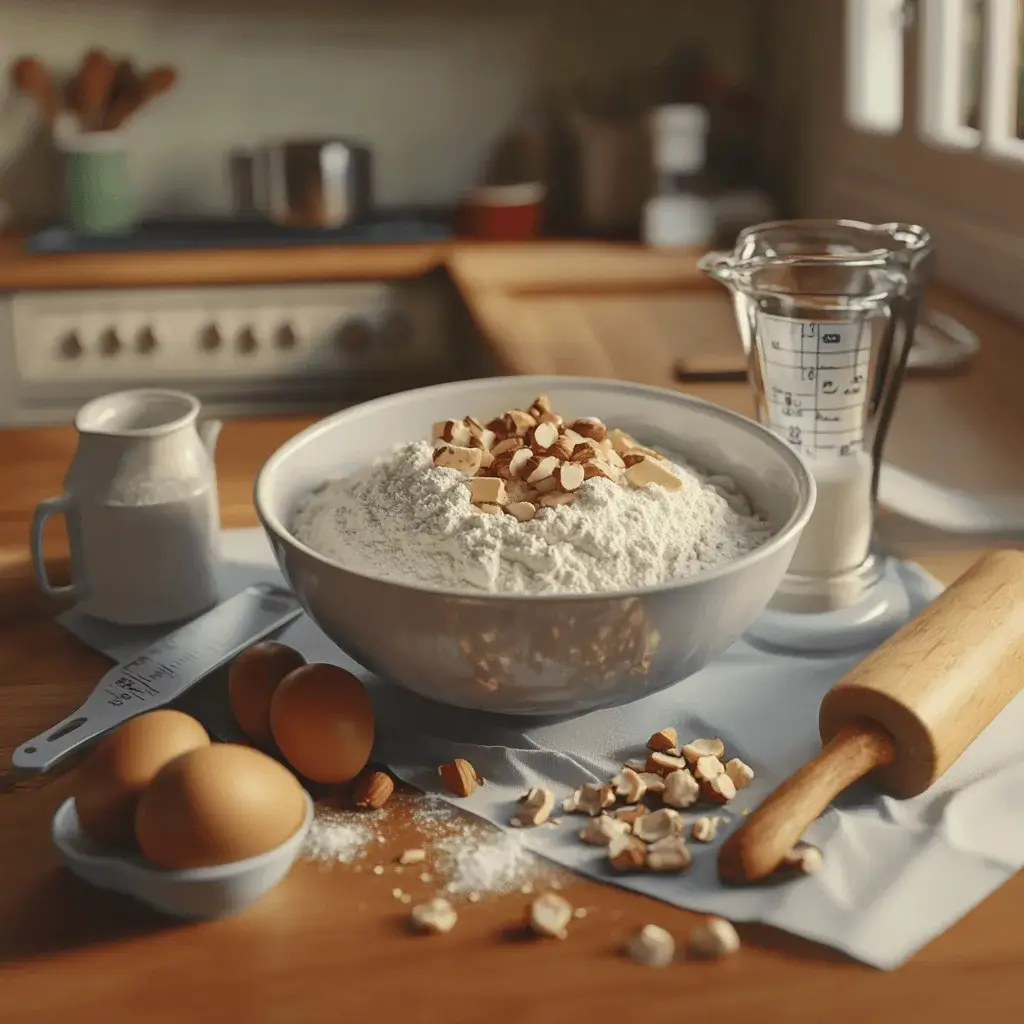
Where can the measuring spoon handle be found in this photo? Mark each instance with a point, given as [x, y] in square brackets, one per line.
[45, 751]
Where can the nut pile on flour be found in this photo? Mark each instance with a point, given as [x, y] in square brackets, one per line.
[530, 502]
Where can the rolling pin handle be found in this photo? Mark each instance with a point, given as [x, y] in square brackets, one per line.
[758, 847]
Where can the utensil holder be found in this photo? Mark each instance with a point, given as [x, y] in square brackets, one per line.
[98, 196]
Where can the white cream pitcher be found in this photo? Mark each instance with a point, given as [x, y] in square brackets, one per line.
[141, 509]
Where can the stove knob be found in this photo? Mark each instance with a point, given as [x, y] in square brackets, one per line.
[396, 330]
[209, 338]
[110, 343]
[145, 341]
[355, 335]
[71, 346]
[246, 341]
[285, 337]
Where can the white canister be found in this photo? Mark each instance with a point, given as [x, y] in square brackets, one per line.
[141, 508]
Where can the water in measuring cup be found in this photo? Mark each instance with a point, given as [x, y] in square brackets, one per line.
[815, 379]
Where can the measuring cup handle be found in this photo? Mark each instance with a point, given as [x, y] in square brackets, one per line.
[44, 510]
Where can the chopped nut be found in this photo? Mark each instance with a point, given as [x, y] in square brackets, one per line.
[662, 763]
[521, 421]
[663, 739]
[598, 470]
[482, 438]
[543, 436]
[719, 790]
[456, 432]
[593, 798]
[540, 467]
[621, 441]
[521, 458]
[436, 916]
[541, 404]
[546, 486]
[708, 768]
[629, 785]
[600, 831]
[589, 426]
[459, 777]
[508, 445]
[805, 858]
[630, 814]
[535, 808]
[638, 764]
[556, 499]
[654, 782]
[681, 789]
[627, 853]
[713, 938]
[703, 748]
[614, 459]
[570, 475]
[487, 490]
[464, 460]
[648, 471]
[414, 856]
[586, 450]
[561, 449]
[704, 830]
[658, 825]
[524, 511]
[489, 509]
[373, 790]
[486, 463]
[668, 854]
[652, 946]
[742, 775]
[632, 458]
[549, 915]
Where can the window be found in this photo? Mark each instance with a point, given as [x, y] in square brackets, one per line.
[918, 115]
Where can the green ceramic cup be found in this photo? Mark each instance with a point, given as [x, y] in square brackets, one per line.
[97, 190]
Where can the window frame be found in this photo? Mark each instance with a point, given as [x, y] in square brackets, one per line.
[972, 200]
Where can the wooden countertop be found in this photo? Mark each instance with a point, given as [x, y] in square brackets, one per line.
[329, 945]
[499, 264]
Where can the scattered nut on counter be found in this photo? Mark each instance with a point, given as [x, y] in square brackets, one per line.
[436, 916]
[534, 808]
[713, 939]
[528, 459]
[652, 946]
[413, 856]
[549, 915]
[459, 777]
[373, 790]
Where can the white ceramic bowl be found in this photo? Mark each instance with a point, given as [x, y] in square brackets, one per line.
[430, 640]
[195, 893]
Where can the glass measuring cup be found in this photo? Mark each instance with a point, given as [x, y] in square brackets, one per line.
[826, 311]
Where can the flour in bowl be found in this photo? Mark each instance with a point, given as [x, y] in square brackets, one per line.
[408, 520]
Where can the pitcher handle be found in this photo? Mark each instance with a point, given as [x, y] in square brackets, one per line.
[44, 510]
[209, 431]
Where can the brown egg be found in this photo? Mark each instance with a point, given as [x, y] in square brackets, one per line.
[253, 678]
[123, 765]
[217, 805]
[322, 721]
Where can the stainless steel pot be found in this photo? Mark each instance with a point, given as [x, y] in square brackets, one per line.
[310, 183]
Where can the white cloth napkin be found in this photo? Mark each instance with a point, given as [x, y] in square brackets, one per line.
[896, 873]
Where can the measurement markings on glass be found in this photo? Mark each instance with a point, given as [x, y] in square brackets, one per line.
[815, 375]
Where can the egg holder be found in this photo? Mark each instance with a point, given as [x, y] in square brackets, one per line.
[193, 893]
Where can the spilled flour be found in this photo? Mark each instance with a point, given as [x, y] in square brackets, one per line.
[405, 519]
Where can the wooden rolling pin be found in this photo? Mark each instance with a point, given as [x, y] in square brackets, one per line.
[905, 713]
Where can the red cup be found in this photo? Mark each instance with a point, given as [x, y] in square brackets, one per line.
[505, 213]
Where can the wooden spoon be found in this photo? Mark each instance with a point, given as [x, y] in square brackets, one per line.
[155, 83]
[95, 80]
[31, 78]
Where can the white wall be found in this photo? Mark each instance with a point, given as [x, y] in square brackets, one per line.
[430, 84]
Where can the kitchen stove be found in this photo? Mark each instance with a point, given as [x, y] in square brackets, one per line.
[243, 350]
